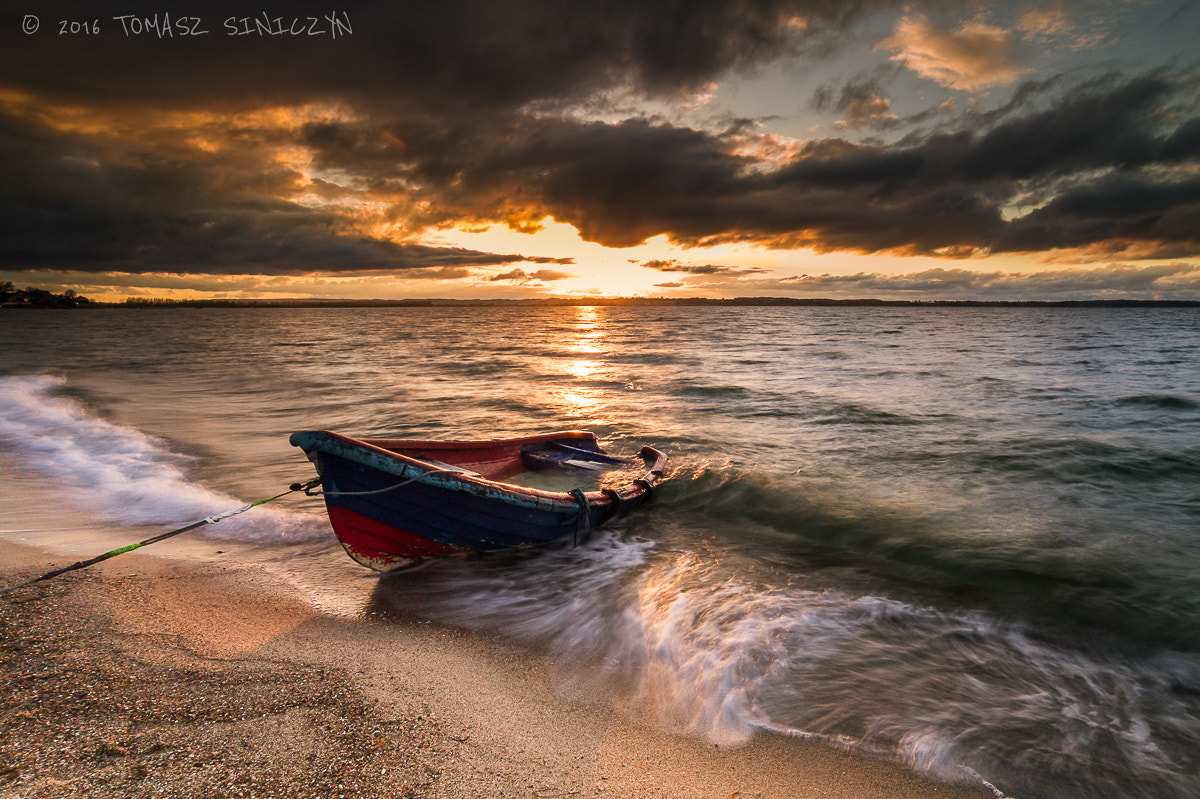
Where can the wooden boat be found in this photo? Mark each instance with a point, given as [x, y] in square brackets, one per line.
[395, 500]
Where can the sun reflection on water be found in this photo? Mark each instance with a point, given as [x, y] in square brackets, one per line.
[586, 340]
[584, 369]
[579, 400]
[589, 332]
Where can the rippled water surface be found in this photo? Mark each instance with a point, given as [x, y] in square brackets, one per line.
[964, 538]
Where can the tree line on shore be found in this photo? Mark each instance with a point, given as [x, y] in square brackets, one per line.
[40, 298]
[11, 296]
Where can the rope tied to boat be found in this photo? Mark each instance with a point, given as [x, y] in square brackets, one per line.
[314, 493]
[617, 505]
[581, 517]
[112, 553]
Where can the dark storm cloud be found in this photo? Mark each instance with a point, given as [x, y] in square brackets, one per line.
[101, 203]
[1101, 152]
[946, 190]
[129, 200]
[458, 113]
[460, 53]
[1109, 123]
[863, 100]
[622, 183]
[428, 85]
[1122, 207]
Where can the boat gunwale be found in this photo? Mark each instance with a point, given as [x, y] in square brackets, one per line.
[412, 467]
[397, 444]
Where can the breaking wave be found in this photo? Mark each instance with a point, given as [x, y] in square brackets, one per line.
[672, 636]
[124, 475]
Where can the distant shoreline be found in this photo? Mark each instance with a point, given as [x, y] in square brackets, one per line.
[554, 302]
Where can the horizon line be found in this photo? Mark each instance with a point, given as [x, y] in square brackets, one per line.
[632, 301]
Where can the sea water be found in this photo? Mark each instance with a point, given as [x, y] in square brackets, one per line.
[964, 538]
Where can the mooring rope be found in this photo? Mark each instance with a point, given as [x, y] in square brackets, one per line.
[420, 476]
[83, 564]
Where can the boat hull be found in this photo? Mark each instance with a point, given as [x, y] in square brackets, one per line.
[392, 501]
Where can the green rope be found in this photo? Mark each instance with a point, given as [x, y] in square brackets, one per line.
[83, 564]
[420, 476]
[581, 518]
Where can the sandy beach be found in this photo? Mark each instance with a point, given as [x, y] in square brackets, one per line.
[152, 677]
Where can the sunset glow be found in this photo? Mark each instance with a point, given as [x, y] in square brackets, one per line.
[1006, 152]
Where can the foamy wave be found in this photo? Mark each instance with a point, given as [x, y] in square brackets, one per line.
[953, 694]
[671, 636]
[125, 475]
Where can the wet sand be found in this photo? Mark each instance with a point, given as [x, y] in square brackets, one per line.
[149, 677]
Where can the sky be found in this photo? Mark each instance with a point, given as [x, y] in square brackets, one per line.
[522, 148]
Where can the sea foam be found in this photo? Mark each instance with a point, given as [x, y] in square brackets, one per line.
[120, 473]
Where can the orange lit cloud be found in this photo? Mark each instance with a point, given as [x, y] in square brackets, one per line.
[976, 56]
